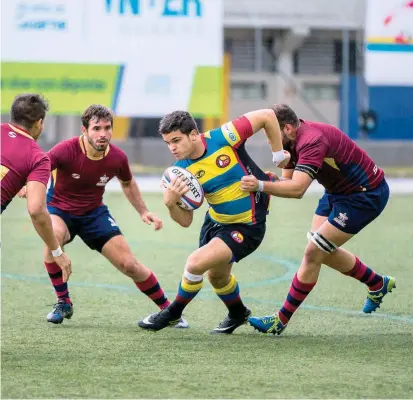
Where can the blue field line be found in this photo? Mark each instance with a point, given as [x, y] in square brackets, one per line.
[207, 295]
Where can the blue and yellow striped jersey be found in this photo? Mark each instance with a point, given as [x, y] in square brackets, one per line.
[220, 170]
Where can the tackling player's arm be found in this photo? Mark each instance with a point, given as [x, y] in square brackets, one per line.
[134, 195]
[309, 162]
[267, 120]
[42, 222]
[176, 189]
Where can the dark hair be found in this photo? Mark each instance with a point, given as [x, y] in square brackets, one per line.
[177, 120]
[98, 112]
[285, 115]
[28, 108]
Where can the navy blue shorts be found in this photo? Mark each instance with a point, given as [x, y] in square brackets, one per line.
[351, 213]
[95, 228]
[242, 239]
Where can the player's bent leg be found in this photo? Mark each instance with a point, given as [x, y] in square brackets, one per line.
[206, 257]
[227, 289]
[64, 307]
[300, 288]
[348, 264]
[118, 252]
[322, 243]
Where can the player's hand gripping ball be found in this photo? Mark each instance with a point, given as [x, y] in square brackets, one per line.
[194, 197]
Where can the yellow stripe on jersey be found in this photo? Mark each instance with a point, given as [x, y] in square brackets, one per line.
[207, 134]
[242, 218]
[209, 168]
[231, 134]
[331, 162]
[3, 171]
[54, 176]
[230, 193]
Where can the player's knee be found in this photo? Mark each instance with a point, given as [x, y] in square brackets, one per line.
[312, 254]
[130, 267]
[194, 264]
[321, 245]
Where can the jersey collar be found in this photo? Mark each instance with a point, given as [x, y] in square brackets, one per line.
[20, 131]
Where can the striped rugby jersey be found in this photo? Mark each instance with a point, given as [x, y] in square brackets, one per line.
[220, 169]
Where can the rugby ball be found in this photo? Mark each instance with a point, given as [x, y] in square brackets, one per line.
[194, 198]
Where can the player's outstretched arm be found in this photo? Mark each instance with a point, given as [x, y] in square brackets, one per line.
[267, 120]
[134, 195]
[176, 189]
[289, 188]
[36, 206]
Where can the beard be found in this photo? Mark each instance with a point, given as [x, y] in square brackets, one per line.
[98, 146]
[287, 142]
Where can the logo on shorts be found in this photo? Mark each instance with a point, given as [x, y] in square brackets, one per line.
[237, 236]
[341, 219]
[103, 180]
[75, 176]
[200, 174]
[12, 134]
[223, 161]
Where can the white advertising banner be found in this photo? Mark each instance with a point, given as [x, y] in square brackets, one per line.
[389, 42]
[141, 57]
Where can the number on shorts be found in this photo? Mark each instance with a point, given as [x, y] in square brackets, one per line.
[112, 222]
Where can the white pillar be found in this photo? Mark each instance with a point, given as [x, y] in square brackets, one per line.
[284, 50]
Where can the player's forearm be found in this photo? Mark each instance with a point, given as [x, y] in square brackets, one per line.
[287, 188]
[43, 225]
[134, 195]
[273, 132]
[181, 216]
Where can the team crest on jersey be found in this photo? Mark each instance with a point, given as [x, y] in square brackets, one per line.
[103, 180]
[200, 174]
[75, 176]
[237, 236]
[12, 134]
[223, 161]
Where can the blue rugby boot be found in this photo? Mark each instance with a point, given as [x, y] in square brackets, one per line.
[61, 310]
[374, 298]
[268, 324]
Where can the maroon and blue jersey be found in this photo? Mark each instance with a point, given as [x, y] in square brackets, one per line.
[328, 155]
[22, 161]
[79, 180]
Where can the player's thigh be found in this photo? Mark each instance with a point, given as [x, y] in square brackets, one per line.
[60, 228]
[318, 220]
[215, 253]
[324, 242]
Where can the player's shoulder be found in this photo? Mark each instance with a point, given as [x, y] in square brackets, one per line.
[181, 163]
[310, 132]
[117, 152]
